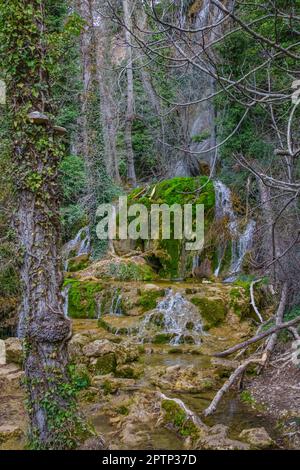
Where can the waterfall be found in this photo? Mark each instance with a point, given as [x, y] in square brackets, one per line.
[80, 245]
[99, 309]
[195, 262]
[175, 316]
[115, 307]
[65, 295]
[241, 246]
[241, 241]
[85, 244]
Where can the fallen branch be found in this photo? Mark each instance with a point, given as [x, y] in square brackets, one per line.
[263, 335]
[253, 300]
[275, 329]
[190, 414]
[263, 360]
[226, 386]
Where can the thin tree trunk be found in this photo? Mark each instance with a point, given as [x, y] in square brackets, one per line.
[130, 96]
[269, 243]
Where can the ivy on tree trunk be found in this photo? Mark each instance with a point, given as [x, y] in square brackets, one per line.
[28, 54]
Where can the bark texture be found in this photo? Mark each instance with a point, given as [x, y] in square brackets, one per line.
[130, 95]
[35, 157]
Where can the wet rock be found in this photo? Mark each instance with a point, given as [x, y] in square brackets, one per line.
[126, 352]
[109, 384]
[216, 439]
[10, 379]
[9, 431]
[2, 353]
[14, 352]
[204, 270]
[258, 438]
[80, 338]
[183, 379]
[99, 348]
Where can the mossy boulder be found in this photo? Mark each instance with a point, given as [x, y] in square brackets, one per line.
[148, 299]
[169, 257]
[106, 364]
[99, 348]
[14, 351]
[82, 298]
[127, 353]
[212, 311]
[258, 438]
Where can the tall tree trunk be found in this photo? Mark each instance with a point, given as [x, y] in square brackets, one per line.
[130, 95]
[36, 155]
[108, 109]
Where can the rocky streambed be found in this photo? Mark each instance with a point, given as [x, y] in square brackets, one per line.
[144, 369]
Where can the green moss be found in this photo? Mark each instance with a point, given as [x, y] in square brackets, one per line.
[213, 312]
[82, 298]
[235, 293]
[128, 371]
[106, 364]
[148, 299]
[78, 263]
[178, 418]
[123, 410]
[175, 350]
[246, 397]
[131, 272]
[171, 263]
[162, 338]
[108, 388]
[238, 302]
[176, 191]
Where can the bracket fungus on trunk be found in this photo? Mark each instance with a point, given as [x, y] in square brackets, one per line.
[38, 118]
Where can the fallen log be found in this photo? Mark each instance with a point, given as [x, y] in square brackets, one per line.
[263, 335]
[274, 330]
[226, 386]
